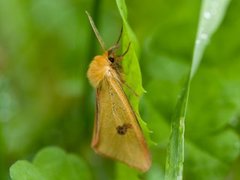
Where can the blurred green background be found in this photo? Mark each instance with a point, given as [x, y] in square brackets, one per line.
[46, 100]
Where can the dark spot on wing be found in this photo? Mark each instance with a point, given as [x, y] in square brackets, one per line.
[122, 130]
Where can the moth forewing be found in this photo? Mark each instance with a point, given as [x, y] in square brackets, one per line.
[118, 133]
[95, 127]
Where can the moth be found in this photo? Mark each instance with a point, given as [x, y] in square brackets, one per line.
[117, 133]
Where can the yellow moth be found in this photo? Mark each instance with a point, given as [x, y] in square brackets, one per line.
[117, 133]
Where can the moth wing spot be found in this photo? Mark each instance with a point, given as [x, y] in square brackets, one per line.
[122, 130]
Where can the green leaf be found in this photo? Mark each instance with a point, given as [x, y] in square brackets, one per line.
[133, 78]
[211, 15]
[131, 66]
[25, 170]
[51, 163]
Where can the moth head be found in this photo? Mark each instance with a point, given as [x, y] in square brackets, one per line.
[111, 54]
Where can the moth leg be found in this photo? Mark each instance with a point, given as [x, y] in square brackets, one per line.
[126, 85]
[121, 81]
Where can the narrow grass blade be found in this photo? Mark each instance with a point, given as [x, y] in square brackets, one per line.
[212, 13]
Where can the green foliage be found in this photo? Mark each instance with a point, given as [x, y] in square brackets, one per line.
[51, 163]
[45, 98]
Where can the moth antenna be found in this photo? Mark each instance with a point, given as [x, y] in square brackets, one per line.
[120, 35]
[126, 50]
[116, 45]
[96, 31]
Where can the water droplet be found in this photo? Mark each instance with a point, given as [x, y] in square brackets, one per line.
[207, 15]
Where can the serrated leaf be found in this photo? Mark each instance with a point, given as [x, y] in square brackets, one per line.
[131, 66]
